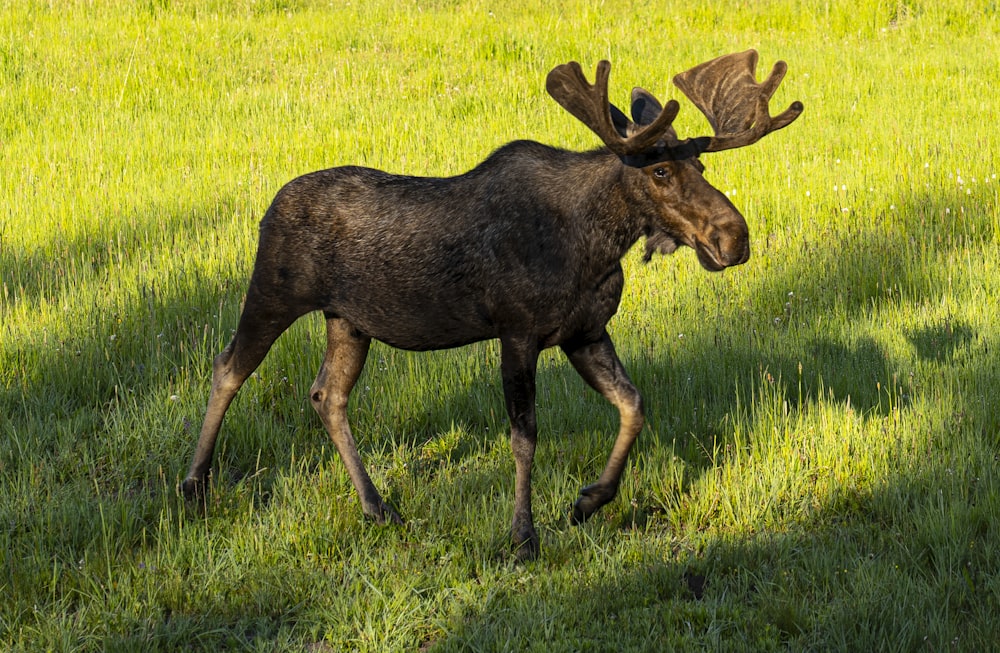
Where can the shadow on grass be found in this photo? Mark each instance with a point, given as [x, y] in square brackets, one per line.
[711, 597]
[855, 276]
[903, 570]
[903, 566]
[135, 334]
[141, 361]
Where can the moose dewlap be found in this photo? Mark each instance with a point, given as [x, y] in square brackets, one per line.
[526, 247]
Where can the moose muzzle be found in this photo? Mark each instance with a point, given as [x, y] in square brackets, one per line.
[725, 244]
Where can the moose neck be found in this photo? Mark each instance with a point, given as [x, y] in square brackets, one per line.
[598, 202]
[614, 207]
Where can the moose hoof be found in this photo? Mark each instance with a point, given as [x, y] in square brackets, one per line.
[193, 488]
[383, 513]
[526, 546]
[591, 498]
[390, 516]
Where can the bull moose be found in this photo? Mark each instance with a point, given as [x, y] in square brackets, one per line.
[526, 247]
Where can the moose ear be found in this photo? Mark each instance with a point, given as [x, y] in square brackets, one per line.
[620, 121]
[645, 107]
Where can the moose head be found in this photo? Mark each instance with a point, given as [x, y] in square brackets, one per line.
[692, 212]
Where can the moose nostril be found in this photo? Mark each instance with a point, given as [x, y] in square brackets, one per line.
[725, 254]
[730, 250]
[717, 242]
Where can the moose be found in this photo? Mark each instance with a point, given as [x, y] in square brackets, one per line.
[526, 247]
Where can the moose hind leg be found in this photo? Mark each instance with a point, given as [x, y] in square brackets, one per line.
[260, 325]
[345, 357]
[600, 367]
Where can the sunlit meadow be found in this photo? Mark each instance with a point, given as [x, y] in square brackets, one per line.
[819, 470]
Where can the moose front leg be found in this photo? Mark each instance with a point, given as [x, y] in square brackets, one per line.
[518, 364]
[600, 367]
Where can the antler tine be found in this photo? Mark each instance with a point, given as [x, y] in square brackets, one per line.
[736, 105]
[589, 104]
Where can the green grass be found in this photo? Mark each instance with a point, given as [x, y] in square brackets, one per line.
[819, 470]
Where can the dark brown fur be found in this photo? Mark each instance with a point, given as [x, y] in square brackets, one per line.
[526, 248]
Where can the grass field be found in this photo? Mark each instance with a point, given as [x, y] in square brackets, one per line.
[819, 470]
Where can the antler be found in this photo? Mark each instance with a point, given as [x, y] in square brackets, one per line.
[724, 89]
[589, 104]
[727, 92]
